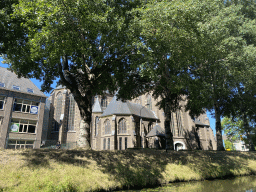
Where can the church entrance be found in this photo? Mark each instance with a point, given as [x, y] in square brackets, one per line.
[178, 146]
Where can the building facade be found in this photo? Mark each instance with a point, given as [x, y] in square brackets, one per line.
[120, 125]
[21, 112]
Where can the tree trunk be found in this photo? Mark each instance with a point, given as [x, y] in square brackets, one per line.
[247, 131]
[218, 129]
[167, 126]
[84, 105]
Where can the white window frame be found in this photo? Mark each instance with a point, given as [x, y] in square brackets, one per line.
[26, 103]
[25, 124]
[29, 90]
[15, 87]
[19, 145]
[2, 84]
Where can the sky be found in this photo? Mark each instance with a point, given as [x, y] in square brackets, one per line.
[38, 84]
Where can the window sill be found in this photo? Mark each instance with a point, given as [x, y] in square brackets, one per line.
[24, 133]
[71, 131]
[24, 112]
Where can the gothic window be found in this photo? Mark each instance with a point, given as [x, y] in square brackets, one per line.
[107, 127]
[122, 126]
[104, 143]
[104, 102]
[108, 143]
[149, 102]
[179, 123]
[150, 127]
[172, 125]
[120, 143]
[96, 125]
[125, 143]
[58, 111]
[71, 113]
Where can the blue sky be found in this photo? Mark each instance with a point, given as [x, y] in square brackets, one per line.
[38, 84]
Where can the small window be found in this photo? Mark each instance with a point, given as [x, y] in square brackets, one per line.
[16, 87]
[125, 143]
[2, 84]
[108, 143]
[120, 143]
[1, 102]
[104, 143]
[104, 102]
[30, 90]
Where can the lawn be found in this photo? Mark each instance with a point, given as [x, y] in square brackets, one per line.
[81, 170]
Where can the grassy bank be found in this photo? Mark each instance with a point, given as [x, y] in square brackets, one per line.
[77, 170]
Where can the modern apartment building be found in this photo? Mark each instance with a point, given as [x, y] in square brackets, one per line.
[21, 112]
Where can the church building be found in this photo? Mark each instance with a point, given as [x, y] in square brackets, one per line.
[138, 123]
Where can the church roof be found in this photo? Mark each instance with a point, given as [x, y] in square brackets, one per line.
[10, 80]
[117, 107]
[96, 107]
[156, 131]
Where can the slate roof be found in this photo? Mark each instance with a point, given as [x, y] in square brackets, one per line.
[117, 107]
[9, 79]
[200, 123]
[156, 131]
[96, 107]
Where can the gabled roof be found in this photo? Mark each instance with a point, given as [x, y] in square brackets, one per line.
[96, 107]
[117, 107]
[156, 131]
[9, 79]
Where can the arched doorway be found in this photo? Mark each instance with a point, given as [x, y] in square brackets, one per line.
[178, 145]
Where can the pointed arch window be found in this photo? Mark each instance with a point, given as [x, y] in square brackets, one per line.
[104, 102]
[122, 126]
[71, 113]
[96, 126]
[150, 127]
[149, 102]
[58, 111]
[179, 123]
[172, 125]
[107, 127]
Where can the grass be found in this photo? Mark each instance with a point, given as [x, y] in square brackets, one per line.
[78, 170]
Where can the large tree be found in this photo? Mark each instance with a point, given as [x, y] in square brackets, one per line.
[221, 60]
[84, 43]
[169, 42]
[11, 31]
[235, 129]
[243, 102]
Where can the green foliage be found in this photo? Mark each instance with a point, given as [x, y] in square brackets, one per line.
[233, 129]
[229, 145]
[84, 43]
